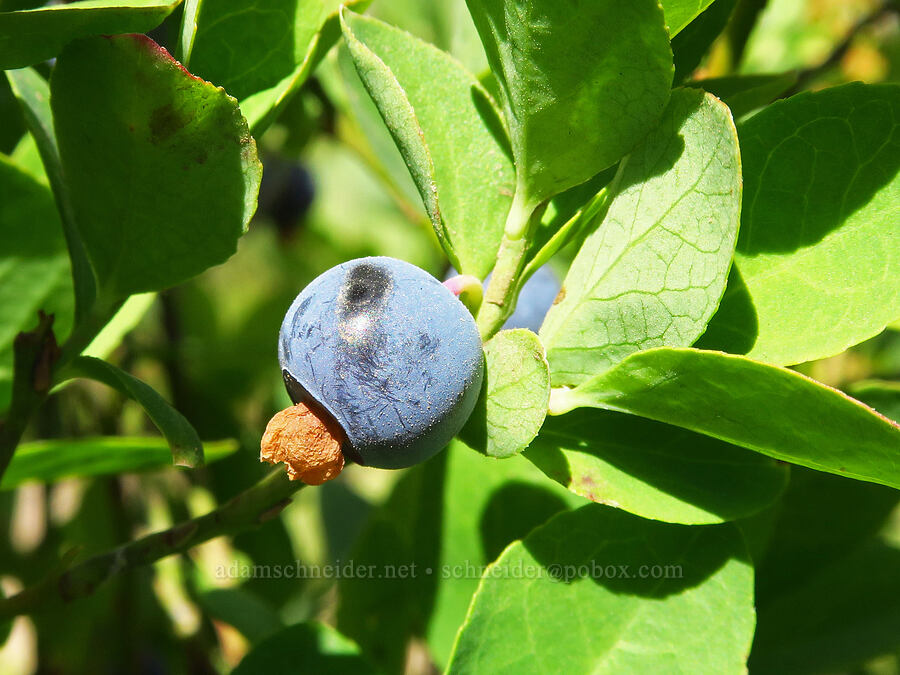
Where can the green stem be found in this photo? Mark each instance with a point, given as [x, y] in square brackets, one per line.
[500, 297]
[250, 508]
[595, 210]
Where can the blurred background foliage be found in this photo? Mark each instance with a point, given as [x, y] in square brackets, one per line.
[335, 188]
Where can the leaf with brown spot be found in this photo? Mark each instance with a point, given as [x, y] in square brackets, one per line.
[149, 213]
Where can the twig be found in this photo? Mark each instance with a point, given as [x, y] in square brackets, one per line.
[259, 503]
[809, 75]
[37, 361]
[34, 356]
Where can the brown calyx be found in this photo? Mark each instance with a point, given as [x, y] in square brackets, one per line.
[307, 440]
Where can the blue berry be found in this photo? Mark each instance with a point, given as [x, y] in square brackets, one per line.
[389, 353]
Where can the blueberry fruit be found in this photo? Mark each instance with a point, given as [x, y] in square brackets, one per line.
[389, 353]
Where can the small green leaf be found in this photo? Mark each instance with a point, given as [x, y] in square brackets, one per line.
[33, 93]
[653, 272]
[187, 450]
[50, 461]
[30, 36]
[151, 223]
[746, 93]
[655, 470]
[449, 133]
[679, 13]
[771, 410]
[262, 52]
[818, 258]
[34, 267]
[305, 647]
[600, 591]
[514, 396]
[582, 83]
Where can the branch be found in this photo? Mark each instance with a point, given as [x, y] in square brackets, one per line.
[34, 356]
[259, 503]
[809, 75]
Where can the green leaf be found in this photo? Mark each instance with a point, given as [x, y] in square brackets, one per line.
[33, 93]
[187, 33]
[514, 395]
[187, 450]
[446, 24]
[818, 262]
[249, 613]
[262, 53]
[601, 591]
[366, 131]
[449, 133]
[691, 45]
[819, 520]
[381, 611]
[582, 83]
[12, 126]
[679, 13]
[882, 395]
[305, 647]
[747, 93]
[840, 617]
[124, 321]
[771, 410]
[151, 223]
[30, 36]
[34, 267]
[655, 470]
[50, 461]
[26, 156]
[488, 504]
[654, 270]
[452, 515]
[828, 587]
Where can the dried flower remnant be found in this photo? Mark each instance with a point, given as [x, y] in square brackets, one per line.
[308, 442]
